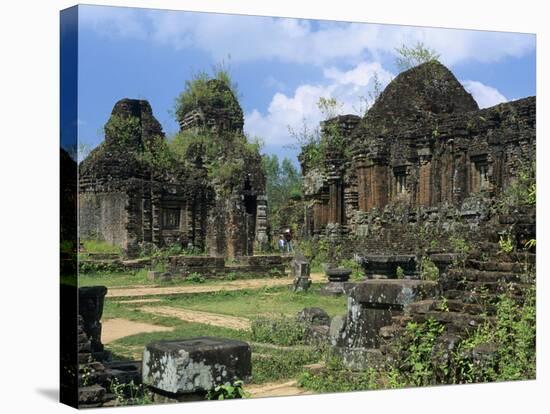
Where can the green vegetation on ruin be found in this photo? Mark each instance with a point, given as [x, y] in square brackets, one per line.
[421, 362]
[200, 91]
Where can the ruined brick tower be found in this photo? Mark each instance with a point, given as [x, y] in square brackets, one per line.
[127, 201]
[423, 146]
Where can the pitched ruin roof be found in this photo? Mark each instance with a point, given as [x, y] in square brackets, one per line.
[141, 110]
[426, 88]
[118, 156]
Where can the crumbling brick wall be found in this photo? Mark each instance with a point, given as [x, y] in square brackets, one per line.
[127, 201]
[424, 143]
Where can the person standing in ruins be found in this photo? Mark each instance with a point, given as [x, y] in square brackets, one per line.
[288, 240]
[281, 243]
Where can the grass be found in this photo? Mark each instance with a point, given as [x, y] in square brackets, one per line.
[269, 362]
[97, 246]
[256, 302]
[118, 279]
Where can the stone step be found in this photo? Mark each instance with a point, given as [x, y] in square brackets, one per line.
[472, 275]
[470, 297]
[455, 322]
[496, 266]
[401, 320]
[91, 395]
[449, 305]
[390, 331]
[496, 287]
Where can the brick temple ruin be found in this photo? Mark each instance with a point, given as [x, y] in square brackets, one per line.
[424, 150]
[128, 202]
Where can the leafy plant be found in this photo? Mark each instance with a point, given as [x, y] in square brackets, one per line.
[357, 272]
[429, 270]
[130, 393]
[506, 244]
[195, 277]
[531, 243]
[461, 248]
[277, 364]
[228, 392]
[522, 191]
[279, 330]
[399, 272]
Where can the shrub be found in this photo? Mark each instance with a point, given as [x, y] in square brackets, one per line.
[356, 269]
[278, 330]
[461, 247]
[130, 393]
[506, 244]
[399, 272]
[523, 191]
[337, 378]
[418, 342]
[227, 392]
[429, 270]
[195, 278]
[513, 337]
[277, 364]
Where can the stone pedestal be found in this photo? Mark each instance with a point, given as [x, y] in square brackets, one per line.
[195, 365]
[337, 282]
[300, 271]
[372, 305]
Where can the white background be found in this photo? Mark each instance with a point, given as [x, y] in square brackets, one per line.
[29, 142]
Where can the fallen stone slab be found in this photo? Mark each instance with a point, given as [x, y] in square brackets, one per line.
[196, 364]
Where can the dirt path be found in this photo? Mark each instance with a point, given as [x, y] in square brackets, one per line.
[225, 321]
[113, 329]
[275, 389]
[228, 286]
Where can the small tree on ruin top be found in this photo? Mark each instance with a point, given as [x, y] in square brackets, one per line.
[409, 57]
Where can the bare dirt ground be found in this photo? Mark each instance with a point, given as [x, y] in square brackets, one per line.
[140, 291]
[113, 329]
[275, 389]
[225, 321]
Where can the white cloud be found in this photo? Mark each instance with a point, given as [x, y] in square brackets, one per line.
[249, 38]
[113, 21]
[485, 96]
[347, 87]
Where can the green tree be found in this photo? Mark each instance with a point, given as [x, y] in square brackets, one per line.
[284, 188]
[409, 57]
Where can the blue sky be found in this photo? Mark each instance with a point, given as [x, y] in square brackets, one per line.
[282, 66]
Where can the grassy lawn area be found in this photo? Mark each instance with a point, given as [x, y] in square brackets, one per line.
[268, 362]
[97, 246]
[251, 303]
